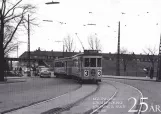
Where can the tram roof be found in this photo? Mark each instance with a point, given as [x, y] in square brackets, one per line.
[85, 53]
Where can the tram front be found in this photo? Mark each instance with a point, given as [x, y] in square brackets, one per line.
[92, 65]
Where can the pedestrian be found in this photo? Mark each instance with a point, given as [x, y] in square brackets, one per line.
[20, 71]
[34, 71]
[146, 70]
[151, 72]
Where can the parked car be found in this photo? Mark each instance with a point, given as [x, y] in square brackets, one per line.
[27, 70]
[45, 72]
[39, 68]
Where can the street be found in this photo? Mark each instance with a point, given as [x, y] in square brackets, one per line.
[149, 89]
[34, 89]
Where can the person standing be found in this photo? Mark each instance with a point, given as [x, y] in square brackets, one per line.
[34, 71]
[20, 71]
[151, 72]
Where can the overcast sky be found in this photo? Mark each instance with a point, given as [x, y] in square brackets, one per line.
[140, 25]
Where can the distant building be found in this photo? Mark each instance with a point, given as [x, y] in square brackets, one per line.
[49, 56]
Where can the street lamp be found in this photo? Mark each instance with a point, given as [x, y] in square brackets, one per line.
[54, 20]
[48, 3]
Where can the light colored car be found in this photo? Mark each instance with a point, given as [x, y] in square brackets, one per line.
[26, 70]
[45, 72]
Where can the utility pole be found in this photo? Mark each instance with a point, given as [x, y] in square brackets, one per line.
[1, 46]
[29, 66]
[159, 63]
[118, 53]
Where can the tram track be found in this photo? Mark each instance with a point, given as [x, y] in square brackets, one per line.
[38, 102]
[59, 104]
[58, 110]
[138, 107]
[88, 99]
[64, 108]
[96, 110]
[101, 106]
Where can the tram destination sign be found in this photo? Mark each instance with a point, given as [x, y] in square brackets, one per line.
[90, 51]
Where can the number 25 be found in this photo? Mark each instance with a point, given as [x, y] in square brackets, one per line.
[141, 103]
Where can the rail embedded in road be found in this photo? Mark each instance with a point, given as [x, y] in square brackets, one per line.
[60, 103]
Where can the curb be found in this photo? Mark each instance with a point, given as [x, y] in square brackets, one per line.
[7, 82]
[131, 78]
[13, 81]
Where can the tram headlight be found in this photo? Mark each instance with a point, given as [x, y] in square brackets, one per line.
[86, 73]
[99, 72]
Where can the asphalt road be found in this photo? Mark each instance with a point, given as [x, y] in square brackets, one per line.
[149, 89]
[14, 95]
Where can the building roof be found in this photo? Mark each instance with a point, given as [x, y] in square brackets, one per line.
[48, 53]
[38, 53]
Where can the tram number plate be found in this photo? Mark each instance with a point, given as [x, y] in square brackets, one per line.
[86, 73]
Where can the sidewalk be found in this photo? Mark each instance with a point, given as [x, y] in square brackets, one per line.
[130, 77]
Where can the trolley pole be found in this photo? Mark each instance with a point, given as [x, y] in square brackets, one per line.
[118, 53]
[29, 66]
[159, 63]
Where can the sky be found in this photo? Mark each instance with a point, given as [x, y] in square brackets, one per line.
[140, 24]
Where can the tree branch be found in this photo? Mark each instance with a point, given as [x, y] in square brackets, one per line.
[12, 8]
[4, 7]
[13, 32]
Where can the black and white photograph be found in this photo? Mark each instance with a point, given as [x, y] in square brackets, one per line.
[80, 56]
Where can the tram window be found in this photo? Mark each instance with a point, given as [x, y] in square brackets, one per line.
[62, 64]
[86, 62]
[98, 62]
[59, 64]
[93, 62]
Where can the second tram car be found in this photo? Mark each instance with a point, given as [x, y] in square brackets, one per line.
[83, 67]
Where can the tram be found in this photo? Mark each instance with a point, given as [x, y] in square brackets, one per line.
[86, 66]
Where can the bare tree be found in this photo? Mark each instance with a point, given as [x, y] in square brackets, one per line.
[151, 52]
[12, 18]
[94, 42]
[69, 44]
[126, 58]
